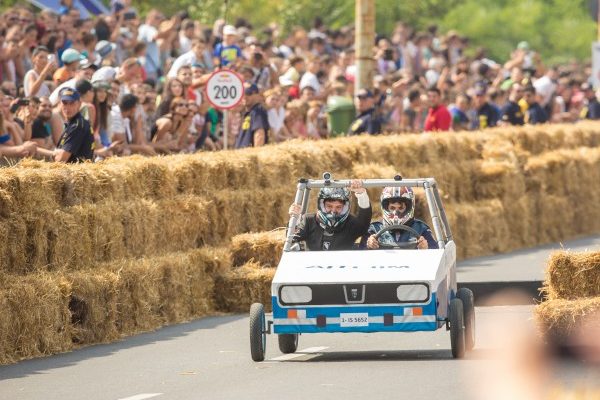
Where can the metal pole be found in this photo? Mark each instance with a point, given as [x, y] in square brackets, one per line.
[364, 41]
[225, 128]
[598, 20]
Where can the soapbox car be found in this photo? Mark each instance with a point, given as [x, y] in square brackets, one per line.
[400, 289]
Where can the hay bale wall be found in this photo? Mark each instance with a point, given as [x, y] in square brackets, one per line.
[45, 313]
[71, 236]
[572, 289]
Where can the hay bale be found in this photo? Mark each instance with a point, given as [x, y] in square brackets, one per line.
[264, 248]
[237, 289]
[573, 276]
[478, 228]
[34, 318]
[559, 319]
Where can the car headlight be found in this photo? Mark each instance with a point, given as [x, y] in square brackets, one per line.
[295, 294]
[413, 293]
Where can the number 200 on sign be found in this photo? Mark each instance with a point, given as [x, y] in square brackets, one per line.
[225, 92]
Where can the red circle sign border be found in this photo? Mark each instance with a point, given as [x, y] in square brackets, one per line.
[215, 73]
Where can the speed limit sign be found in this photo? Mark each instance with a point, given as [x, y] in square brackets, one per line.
[225, 89]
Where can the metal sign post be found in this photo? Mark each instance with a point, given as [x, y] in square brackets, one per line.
[225, 90]
[225, 128]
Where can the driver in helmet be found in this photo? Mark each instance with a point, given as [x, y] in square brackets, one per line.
[332, 227]
[398, 208]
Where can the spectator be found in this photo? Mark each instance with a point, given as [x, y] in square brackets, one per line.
[535, 113]
[411, 114]
[34, 82]
[127, 129]
[368, 120]
[41, 130]
[194, 56]
[438, 117]
[309, 78]
[511, 113]
[172, 129]
[276, 115]
[172, 89]
[255, 125]
[592, 108]
[76, 143]
[487, 116]
[460, 119]
[102, 105]
[228, 52]
[154, 35]
[71, 59]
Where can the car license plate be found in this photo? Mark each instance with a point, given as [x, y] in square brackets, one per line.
[355, 319]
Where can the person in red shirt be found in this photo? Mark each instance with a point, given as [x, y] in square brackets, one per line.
[438, 118]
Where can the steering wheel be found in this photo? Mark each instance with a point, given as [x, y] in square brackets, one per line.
[410, 245]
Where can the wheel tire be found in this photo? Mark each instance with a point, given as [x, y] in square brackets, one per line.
[288, 343]
[457, 328]
[468, 299]
[258, 337]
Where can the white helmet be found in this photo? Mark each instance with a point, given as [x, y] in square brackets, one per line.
[397, 194]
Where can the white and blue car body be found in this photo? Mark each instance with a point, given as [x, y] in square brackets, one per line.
[363, 291]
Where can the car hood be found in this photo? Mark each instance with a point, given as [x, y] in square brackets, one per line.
[299, 267]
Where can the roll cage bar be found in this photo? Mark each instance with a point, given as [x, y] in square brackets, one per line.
[441, 227]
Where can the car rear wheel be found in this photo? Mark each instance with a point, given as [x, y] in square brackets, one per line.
[466, 296]
[288, 342]
[258, 336]
[457, 328]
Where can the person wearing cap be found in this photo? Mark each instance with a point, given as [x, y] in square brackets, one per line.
[34, 80]
[76, 143]
[367, 121]
[487, 116]
[255, 122]
[592, 108]
[227, 52]
[71, 59]
[104, 51]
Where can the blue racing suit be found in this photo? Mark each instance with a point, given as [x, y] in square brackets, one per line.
[394, 237]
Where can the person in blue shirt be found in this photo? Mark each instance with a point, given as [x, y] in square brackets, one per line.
[511, 112]
[227, 53]
[535, 113]
[255, 121]
[460, 119]
[368, 119]
[398, 208]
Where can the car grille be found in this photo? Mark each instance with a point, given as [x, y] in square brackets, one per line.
[371, 293]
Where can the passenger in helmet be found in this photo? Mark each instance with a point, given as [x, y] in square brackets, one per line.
[398, 208]
[332, 227]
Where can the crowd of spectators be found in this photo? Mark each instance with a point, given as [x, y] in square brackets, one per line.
[139, 79]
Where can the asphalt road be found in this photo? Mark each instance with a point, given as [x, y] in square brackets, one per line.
[209, 359]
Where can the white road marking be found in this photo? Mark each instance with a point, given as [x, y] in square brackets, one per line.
[141, 396]
[299, 353]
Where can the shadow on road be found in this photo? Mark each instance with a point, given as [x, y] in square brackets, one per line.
[400, 355]
[41, 365]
